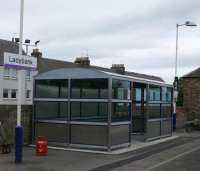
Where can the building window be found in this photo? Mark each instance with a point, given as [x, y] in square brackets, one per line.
[5, 93]
[10, 73]
[120, 89]
[6, 72]
[13, 94]
[28, 75]
[28, 94]
[14, 73]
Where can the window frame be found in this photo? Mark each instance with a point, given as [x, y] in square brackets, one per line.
[13, 91]
[28, 97]
[8, 93]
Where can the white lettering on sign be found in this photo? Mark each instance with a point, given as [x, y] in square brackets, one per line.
[19, 61]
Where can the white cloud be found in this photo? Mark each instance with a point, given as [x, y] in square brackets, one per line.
[140, 34]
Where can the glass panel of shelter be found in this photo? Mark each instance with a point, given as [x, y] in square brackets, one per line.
[121, 106]
[98, 89]
[84, 102]
[139, 107]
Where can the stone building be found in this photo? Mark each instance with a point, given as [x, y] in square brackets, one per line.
[191, 98]
[191, 94]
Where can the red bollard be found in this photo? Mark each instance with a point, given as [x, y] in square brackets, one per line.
[41, 146]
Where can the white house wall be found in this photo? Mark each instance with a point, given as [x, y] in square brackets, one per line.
[11, 83]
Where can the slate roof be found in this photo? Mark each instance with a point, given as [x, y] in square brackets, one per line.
[46, 64]
[76, 73]
[7, 46]
[193, 74]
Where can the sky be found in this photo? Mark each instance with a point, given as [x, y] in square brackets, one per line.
[140, 34]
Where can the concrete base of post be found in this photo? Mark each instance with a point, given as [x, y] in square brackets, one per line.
[18, 144]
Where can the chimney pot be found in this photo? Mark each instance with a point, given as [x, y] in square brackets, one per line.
[118, 68]
[36, 53]
[82, 61]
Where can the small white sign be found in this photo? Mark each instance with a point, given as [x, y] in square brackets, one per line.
[20, 61]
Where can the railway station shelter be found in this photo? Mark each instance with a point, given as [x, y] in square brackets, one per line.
[91, 108]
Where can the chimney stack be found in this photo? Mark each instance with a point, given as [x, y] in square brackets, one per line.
[118, 68]
[82, 61]
[36, 53]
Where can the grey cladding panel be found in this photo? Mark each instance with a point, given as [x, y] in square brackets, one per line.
[119, 134]
[166, 127]
[89, 135]
[153, 129]
[54, 132]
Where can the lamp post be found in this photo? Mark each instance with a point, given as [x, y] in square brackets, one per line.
[175, 94]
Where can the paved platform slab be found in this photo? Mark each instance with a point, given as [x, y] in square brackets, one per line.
[135, 145]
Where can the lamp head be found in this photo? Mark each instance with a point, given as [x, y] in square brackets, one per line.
[38, 41]
[16, 39]
[27, 41]
[190, 23]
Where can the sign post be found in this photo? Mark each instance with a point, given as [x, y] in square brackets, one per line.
[19, 128]
[20, 62]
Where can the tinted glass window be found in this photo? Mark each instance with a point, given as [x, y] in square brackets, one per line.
[120, 112]
[166, 94]
[51, 110]
[138, 94]
[154, 93]
[120, 89]
[89, 93]
[103, 93]
[103, 109]
[63, 110]
[139, 109]
[154, 111]
[89, 88]
[63, 89]
[75, 110]
[51, 88]
[89, 111]
[46, 110]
